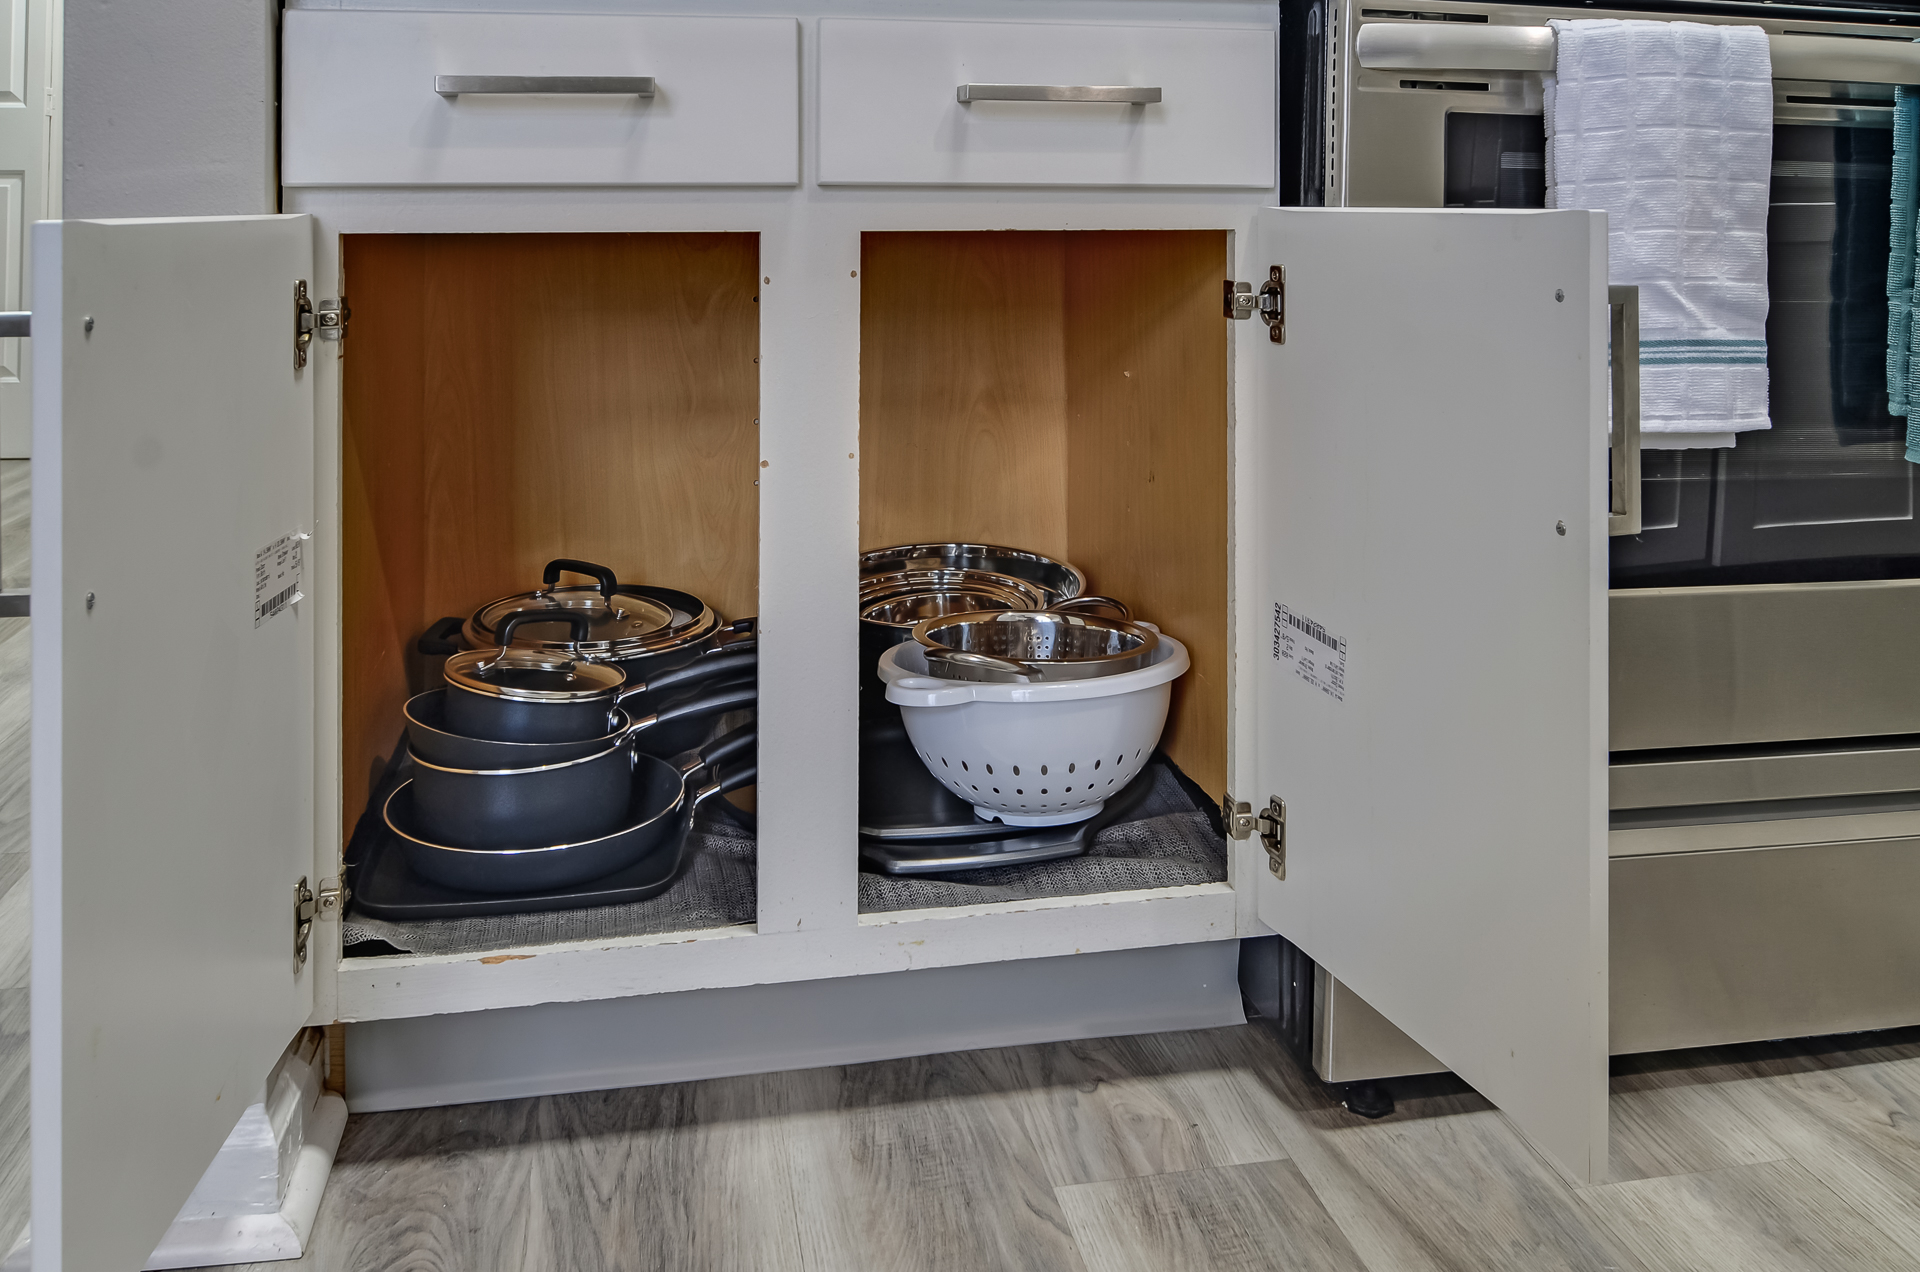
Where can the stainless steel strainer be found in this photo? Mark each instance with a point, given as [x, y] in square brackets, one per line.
[1033, 645]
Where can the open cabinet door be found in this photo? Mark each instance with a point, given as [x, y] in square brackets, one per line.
[173, 709]
[1427, 575]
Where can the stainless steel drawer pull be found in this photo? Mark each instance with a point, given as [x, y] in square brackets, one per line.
[627, 85]
[1055, 93]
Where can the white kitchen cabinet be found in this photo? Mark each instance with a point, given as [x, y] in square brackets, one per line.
[1397, 474]
[1002, 103]
[497, 99]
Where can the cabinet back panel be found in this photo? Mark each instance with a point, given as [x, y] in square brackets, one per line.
[963, 389]
[1146, 360]
[1066, 392]
[511, 398]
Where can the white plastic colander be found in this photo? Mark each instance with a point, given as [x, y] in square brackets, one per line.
[1041, 754]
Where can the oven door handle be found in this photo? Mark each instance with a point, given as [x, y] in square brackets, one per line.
[1433, 46]
[1623, 511]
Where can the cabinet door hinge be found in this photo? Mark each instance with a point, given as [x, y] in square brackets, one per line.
[1270, 824]
[333, 898]
[303, 912]
[327, 319]
[1270, 302]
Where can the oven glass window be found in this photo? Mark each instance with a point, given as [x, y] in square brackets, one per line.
[1495, 161]
[1826, 493]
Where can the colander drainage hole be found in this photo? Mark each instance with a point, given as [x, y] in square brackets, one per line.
[1016, 770]
[1043, 790]
[976, 788]
[963, 766]
[943, 762]
[1070, 768]
[996, 790]
[1096, 764]
[989, 770]
[1018, 791]
[1043, 770]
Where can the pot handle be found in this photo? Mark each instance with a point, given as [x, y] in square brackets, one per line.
[567, 565]
[706, 667]
[1094, 605]
[579, 626]
[730, 779]
[741, 741]
[741, 694]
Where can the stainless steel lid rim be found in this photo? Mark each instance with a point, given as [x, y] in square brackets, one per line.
[622, 745]
[1060, 579]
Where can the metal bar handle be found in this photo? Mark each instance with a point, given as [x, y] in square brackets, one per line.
[1624, 510]
[624, 85]
[1056, 93]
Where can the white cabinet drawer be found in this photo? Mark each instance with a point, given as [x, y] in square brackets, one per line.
[362, 103]
[890, 112]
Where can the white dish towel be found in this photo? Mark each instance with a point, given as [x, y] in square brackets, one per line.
[1668, 128]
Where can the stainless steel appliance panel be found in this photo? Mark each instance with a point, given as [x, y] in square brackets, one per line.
[1720, 947]
[1720, 666]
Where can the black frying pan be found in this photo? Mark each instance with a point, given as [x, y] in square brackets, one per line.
[661, 810]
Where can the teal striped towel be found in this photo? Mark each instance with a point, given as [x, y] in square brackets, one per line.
[1900, 250]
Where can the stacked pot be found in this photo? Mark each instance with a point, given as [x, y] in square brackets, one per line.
[1021, 695]
[541, 759]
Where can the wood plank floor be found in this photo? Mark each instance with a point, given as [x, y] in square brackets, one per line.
[1205, 1150]
[16, 917]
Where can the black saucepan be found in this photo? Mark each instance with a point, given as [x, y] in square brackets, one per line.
[434, 740]
[659, 815]
[558, 802]
[530, 695]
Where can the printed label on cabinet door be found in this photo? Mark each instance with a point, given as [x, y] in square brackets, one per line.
[1316, 655]
[276, 576]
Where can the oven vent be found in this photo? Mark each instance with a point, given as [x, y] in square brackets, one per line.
[1417, 15]
[1445, 86]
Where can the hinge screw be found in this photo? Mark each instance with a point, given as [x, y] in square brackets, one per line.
[86, 324]
[89, 600]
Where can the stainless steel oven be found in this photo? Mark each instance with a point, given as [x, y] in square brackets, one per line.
[1765, 619]
[1799, 547]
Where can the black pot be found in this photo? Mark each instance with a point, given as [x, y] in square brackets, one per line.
[530, 695]
[659, 813]
[666, 729]
[521, 808]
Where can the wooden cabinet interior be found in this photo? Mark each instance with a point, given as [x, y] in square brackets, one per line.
[511, 398]
[1063, 391]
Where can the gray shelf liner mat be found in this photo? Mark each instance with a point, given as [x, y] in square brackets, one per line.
[1170, 844]
[716, 889]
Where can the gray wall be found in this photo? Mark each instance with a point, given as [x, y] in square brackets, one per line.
[169, 107]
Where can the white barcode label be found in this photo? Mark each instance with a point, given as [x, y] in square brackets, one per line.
[1316, 655]
[276, 576]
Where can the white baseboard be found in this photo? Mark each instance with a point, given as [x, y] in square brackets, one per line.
[562, 1047]
[216, 1241]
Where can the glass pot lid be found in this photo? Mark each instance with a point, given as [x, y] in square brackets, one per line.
[623, 620]
[533, 675]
